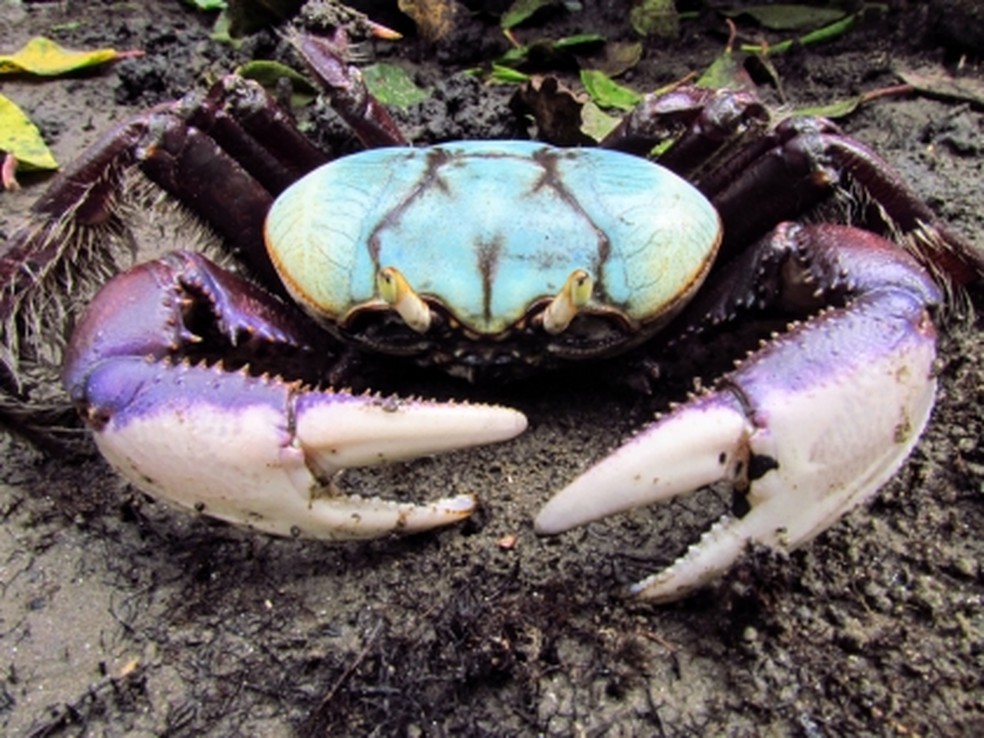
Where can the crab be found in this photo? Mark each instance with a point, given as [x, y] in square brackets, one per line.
[492, 260]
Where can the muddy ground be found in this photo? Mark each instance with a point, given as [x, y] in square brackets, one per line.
[121, 616]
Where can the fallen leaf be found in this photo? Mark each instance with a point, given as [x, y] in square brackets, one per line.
[937, 83]
[208, 5]
[21, 140]
[606, 92]
[655, 18]
[725, 72]
[434, 18]
[788, 17]
[618, 57]
[555, 108]
[269, 73]
[507, 75]
[391, 85]
[833, 110]
[521, 10]
[596, 123]
[44, 57]
[826, 33]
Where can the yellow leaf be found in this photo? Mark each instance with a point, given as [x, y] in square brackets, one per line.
[44, 57]
[22, 139]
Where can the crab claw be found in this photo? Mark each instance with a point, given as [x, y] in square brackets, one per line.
[263, 453]
[255, 450]
[805, 430]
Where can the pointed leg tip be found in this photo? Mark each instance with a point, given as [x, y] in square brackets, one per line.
[661, 589]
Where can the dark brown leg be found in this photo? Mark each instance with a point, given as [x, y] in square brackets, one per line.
[192, 149]
[350, 97]
[757, 177]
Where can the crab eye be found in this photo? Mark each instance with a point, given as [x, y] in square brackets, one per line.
[395, 290]
[574, 295]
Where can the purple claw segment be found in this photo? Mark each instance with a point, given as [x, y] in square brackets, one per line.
[808, 427]
[144, 312]
[254, 450]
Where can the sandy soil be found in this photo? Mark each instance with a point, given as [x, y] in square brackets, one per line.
[121, 616]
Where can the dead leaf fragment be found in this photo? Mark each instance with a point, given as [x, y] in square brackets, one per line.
[617, 57]
[655, 18]
[937, 83]
[555, 108]
[434, 18]
[508, 542]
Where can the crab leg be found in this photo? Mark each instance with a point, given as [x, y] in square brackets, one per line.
[350, 97]
[794, 428]
[252, 449]
[723, 144]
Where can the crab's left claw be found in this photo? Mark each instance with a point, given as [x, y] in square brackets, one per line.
[805, 430]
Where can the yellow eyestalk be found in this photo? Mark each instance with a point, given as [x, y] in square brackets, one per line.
[574, 295]
[397, 292]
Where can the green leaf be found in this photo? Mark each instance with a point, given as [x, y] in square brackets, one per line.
[595, 122]
[545, 51]
[787, 17]
[834, 30]
[655, 18]
[833, 110]
[44, 57]
[521, 10]
[269, 73]
[570, 43]
[392, 86]
[501, 73]
[21, 138]
[608, 93]
[725, 72]
[208, 5]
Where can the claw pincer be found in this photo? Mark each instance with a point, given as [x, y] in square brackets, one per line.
[253, 449]
[793, 428]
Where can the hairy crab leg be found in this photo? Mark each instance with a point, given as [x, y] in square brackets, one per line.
[256, 450]
[65, 240]
[793, 428]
